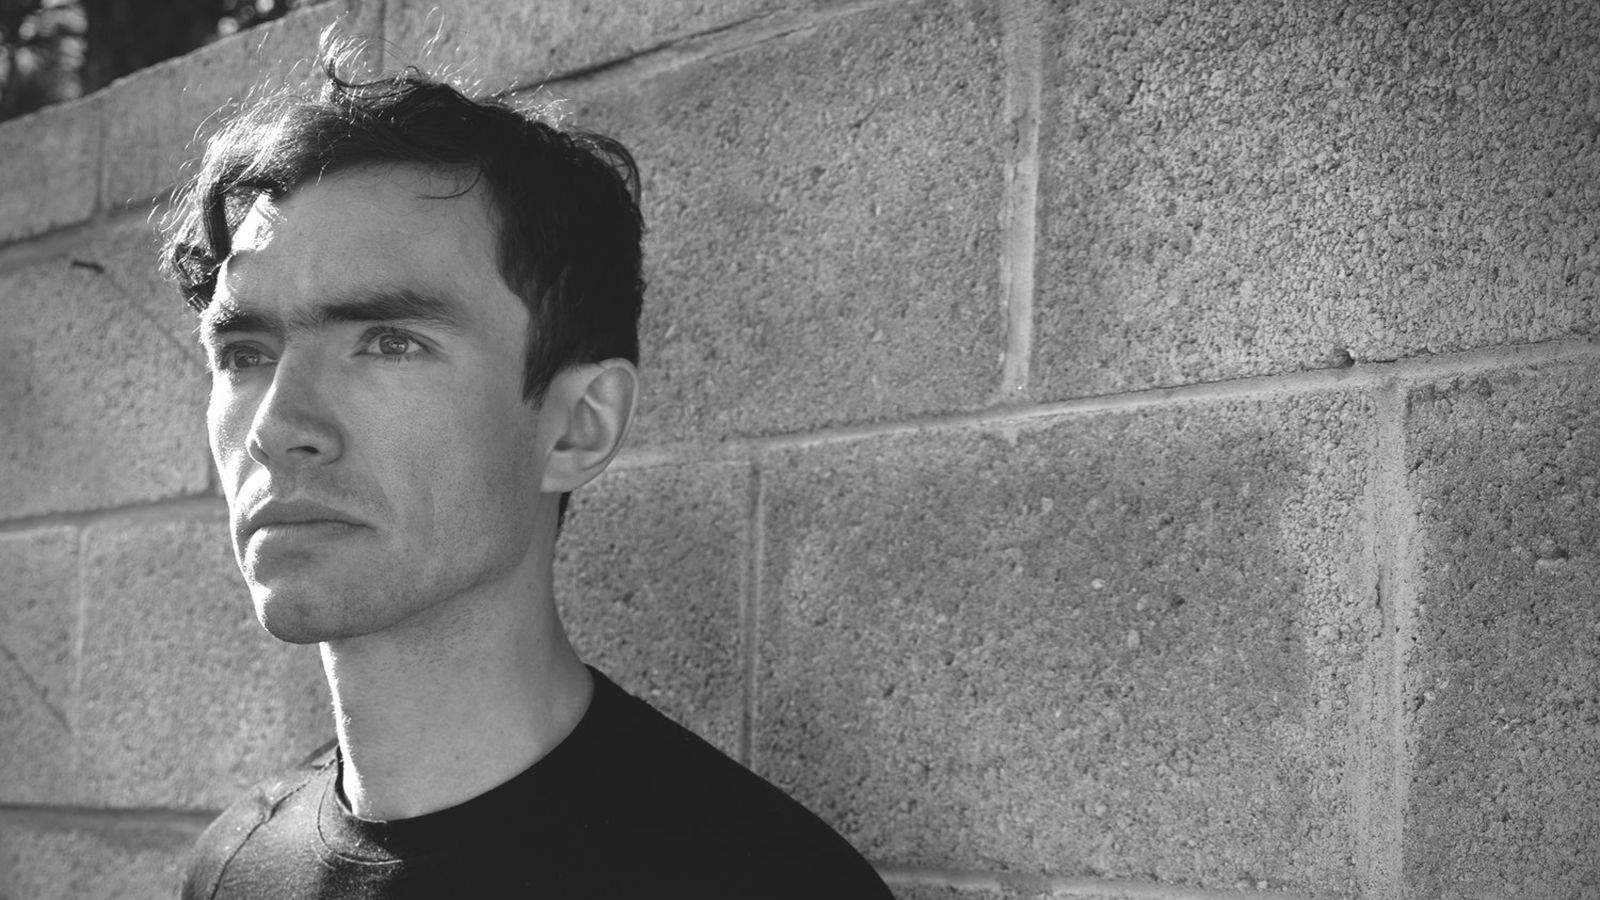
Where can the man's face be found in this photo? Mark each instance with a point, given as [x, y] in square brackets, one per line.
[366, 413]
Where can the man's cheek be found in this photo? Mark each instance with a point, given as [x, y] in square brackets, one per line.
[220, 411]
[227, 447]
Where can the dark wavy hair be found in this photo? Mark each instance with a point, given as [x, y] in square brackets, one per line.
[565, 201]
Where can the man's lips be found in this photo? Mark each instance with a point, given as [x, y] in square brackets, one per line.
[295, 512]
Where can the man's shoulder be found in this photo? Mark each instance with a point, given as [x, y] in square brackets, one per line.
[646, 758]
[228, 833]
[631, 802]
[668, 789]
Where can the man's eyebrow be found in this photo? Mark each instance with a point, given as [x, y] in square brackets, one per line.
[226, 318]
[397, 304]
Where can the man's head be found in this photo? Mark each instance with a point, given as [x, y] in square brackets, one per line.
[419, 313]
[564, 201]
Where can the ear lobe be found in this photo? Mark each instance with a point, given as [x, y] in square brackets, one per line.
[589, 409]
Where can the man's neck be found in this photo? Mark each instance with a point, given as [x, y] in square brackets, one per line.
[434, 712]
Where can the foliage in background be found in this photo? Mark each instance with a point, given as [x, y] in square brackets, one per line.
[56, 50]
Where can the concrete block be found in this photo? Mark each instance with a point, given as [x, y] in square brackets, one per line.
[158, 118]
[934, 891]
[1240, 188]
[38, 612]
[126, 251]
[52, 174]
[102, 398]
[1502, 718]
[46, 857]
[650, 574]
[1119, 645]
[185, 700]
[1024, 888]
[529, 43]
[823, 213]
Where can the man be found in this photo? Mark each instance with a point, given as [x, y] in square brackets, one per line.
[420, 313]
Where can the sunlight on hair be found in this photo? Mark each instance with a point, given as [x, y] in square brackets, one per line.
[445, 56]
[356, 58]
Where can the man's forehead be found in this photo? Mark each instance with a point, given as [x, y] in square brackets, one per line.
[255, 233]
[260, 223]
[342, 239]
[384, 206]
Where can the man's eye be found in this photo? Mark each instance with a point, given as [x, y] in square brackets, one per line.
[391, 344]
[233, 358]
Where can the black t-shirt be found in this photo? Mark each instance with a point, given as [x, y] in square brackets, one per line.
[630, 804]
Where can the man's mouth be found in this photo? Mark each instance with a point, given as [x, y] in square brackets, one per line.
[282, 517]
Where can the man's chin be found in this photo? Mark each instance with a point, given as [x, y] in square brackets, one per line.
[298, 617]
[291, 629]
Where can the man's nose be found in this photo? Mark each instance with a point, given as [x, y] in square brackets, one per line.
[296, 423]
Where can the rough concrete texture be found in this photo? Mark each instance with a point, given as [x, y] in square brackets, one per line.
[528, 43]
[823, 213]
[157, 118]
[1241, 187]
[1116, 646]
[185, 700]
[102, 401]
[650, 574]
[1502, 708]
[126, 251]
[48, 858]
[933, 890]
[1039, 889]
[38, 615]
[48, 177]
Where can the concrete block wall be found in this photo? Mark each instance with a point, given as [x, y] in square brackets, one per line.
[1092, 449]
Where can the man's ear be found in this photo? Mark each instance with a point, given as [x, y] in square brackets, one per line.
[588, 409]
